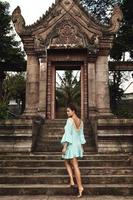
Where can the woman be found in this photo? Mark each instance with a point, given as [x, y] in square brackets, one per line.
[72, 141]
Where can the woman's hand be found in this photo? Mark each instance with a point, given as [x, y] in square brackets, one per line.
[64, 149]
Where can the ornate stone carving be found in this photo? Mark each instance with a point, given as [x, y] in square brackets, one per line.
[95, 40]
[67, 35]
[115, 19]
[38, 42]
[18, 20]
[66, 4]
[54, 14]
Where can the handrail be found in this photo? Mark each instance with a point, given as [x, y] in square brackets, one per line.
[13, 114]
[37, 123]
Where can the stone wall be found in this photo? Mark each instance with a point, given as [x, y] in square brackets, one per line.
[115, 135]
[15, 135]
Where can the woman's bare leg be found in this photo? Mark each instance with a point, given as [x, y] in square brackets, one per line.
[74, 162]
[70, 172]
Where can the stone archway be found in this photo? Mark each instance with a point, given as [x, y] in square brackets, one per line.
[64, 63]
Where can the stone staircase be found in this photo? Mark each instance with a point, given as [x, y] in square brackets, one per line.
[49, 137]
[45, 174]
[43, 171]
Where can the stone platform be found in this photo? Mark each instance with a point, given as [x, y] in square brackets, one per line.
[44, 197]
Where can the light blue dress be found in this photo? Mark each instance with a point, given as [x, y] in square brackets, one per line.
[74, 137]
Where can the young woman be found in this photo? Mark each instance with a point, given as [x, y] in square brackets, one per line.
[72, 141]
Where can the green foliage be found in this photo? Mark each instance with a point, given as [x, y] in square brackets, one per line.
[100, 8]
[3, 110]
[124, 39]
[10, 52]
[14, 86]
[69, 89]
[124, 109]
[119, 107]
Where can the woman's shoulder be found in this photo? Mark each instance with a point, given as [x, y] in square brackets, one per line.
[69, 120]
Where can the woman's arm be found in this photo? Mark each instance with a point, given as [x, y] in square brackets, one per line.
[64, 147]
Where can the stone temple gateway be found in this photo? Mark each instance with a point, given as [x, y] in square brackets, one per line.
[66, 37]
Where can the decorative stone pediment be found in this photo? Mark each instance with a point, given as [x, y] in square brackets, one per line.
[67, 34]
[66, 25]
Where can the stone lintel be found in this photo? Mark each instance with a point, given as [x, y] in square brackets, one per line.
[121, 65]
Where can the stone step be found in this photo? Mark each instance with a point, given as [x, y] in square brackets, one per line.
[52, 132]
[58, 153]
[115, 122]
[15, 122]
[15, 126]
[57, 142]
[115, 133]
[12, 135]
[16, 131]
[60, 163]
[64, 189]
[59, 127]
[60, 134]
[62, 170]
[62, 179]
[47, 155]
[62, 121]
[58, 138]
[42, 147]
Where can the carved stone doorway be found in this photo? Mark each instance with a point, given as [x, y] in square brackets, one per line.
[67, 90]
[51, 89]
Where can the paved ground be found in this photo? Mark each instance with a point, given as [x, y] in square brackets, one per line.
[43, 197]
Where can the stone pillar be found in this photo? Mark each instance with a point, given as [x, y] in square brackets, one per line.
[91, 89]
[42, 86]
[102, 86]
[32, 85]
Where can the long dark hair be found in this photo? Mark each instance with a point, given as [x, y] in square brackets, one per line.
[72, 107]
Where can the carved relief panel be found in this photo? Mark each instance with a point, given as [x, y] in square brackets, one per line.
[67, 35]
